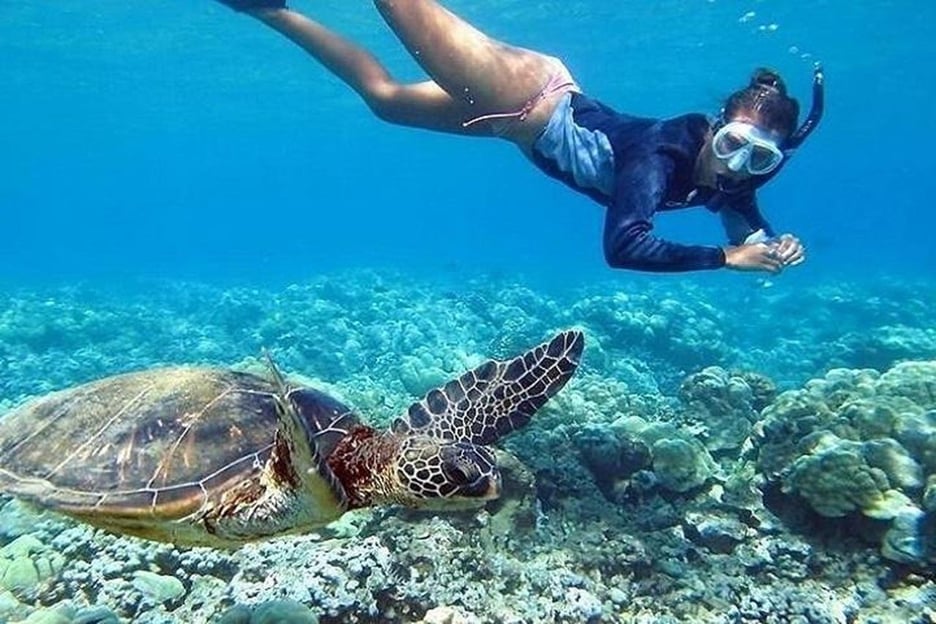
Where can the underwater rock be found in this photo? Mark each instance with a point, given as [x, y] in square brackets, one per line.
[911, 537]
[26, 564]
[917, 433]
[446, 615]
[859, 441]
[63, 613]
[903, 472]
[882, 347]
[611, 459]
[340, 578]
[741, 491]
[397, 569]
[722, 404]
[9, 605]
[868, 417]
[929, 495]
[582, 605]
[18, 518]
[283, 612]
[420, 374]
[47, 616]
[515, 511]
[717, 533]
[631, 456]
[19, 575]
[238, 614]
[763, 389]
[913, 380]
[158, 588]
[794, 415]
[841, 385]
[793, 605]
[679, 464]
[835, 479]
[598, 400]
[672, 334]
[270, 612]
[95, 615]
[678, 460]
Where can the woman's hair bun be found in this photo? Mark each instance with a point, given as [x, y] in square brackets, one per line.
[764, 78]
[766, 97]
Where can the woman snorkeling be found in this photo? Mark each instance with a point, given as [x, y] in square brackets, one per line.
[633, 166]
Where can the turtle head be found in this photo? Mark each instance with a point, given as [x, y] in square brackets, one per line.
[444, 474]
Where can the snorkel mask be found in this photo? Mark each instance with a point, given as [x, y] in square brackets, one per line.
[742, 145]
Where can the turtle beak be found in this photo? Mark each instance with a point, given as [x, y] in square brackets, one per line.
[487, 487]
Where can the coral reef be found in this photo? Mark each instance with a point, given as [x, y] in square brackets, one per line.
[725, 454]
[860, 441]
[724, 406]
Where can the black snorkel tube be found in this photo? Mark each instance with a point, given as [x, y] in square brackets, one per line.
[815, 114]
[791, 144]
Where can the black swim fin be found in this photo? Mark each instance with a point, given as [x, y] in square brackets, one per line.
[249, 5]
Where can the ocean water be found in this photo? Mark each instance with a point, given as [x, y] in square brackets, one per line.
[180, 140]
[180, 186]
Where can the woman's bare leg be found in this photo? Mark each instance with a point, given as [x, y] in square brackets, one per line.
[488, 75]
[421, 105]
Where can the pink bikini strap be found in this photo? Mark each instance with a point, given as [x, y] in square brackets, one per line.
[557, 82]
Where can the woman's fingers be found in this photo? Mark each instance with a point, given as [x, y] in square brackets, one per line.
[796, 258]
[790, 250]
[795, 254]
[770, 258]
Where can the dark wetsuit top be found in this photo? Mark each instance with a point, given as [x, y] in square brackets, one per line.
[636, 167]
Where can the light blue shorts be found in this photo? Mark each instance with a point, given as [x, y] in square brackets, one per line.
[578, 156]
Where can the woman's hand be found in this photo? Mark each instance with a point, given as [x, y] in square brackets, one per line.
[790, 250]
[754, 257]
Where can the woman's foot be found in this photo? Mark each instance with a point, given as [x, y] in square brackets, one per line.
[253, 5]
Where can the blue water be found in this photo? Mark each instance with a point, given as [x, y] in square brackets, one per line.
[183, 140]
[178, 185]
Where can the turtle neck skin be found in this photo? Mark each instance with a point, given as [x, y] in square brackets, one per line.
[362, 462]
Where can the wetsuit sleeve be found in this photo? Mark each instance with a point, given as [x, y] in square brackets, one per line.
[741, 217]
[628, 242]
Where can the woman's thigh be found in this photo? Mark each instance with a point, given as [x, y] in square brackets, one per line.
[482, 74]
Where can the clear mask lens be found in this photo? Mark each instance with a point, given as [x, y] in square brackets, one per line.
[731, 142]
[763, 160]
[742, 145]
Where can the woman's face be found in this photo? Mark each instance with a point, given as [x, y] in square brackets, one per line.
[712, 166]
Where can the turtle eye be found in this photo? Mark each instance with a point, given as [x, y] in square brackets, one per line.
[459, 472]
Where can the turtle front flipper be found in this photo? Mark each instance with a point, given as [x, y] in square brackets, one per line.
[297, 488]
[497, 397]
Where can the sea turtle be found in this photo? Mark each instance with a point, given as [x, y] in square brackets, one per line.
[216, 457]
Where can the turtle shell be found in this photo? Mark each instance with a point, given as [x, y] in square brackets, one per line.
[154, 445]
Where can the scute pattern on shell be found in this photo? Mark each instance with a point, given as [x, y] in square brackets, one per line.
[160, 439]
